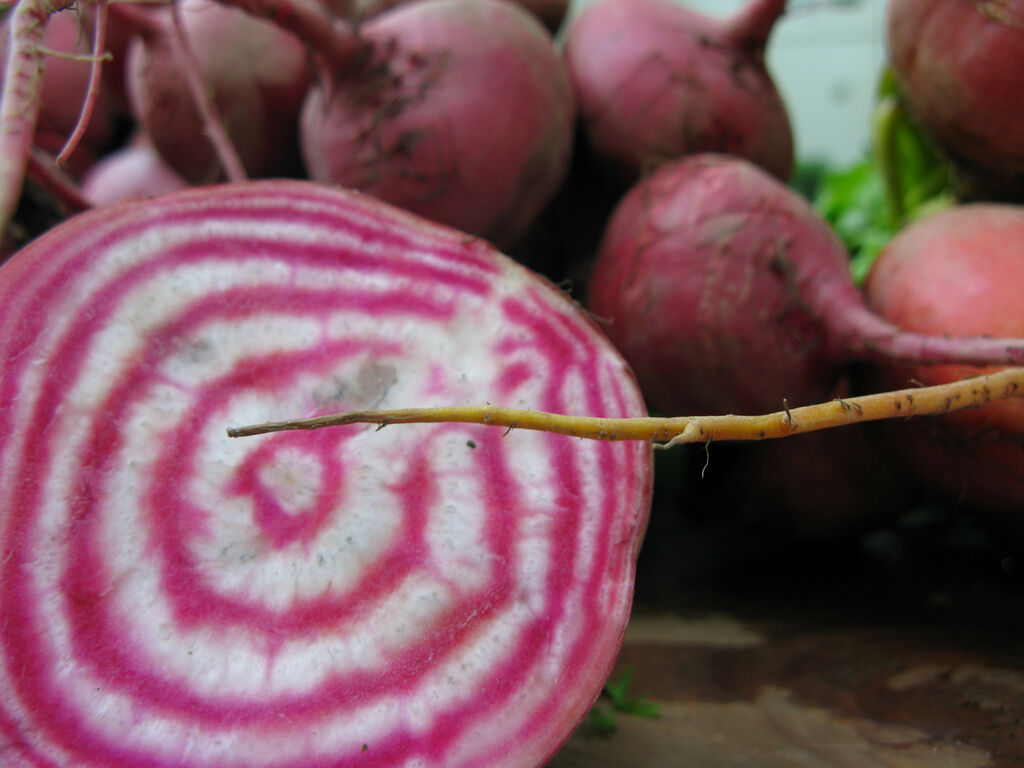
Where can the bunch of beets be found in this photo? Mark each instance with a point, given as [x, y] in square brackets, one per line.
[222, 212]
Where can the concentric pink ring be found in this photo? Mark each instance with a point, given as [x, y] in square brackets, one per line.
[436, 595]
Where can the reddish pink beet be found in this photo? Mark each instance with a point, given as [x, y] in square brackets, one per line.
[959, 66]
[132, 172]
[727, 293]
[656, 81]
[256, 72]
[442, 595]
[461, 112]
[959, 272]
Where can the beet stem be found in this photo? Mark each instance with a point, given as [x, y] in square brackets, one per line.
[338, 44]
[22, 93]
[93, 91]
[42, 170]
[140, 22]
[214, 126]
[887, 116]
[866, 336]
[919, 401]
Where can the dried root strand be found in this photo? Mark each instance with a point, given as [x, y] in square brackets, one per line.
[919, 401]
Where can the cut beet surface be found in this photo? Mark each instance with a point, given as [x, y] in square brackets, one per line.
[430, 595]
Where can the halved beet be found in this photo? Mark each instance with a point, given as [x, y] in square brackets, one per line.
[438, 595]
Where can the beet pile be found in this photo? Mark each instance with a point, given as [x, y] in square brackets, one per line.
[219, 213]
[459, 110]
[728, 293]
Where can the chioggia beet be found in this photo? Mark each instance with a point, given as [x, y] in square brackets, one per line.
[445, 595]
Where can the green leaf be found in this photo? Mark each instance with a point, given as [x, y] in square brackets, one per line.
[616, 690]
[603, 719]
[900, 179]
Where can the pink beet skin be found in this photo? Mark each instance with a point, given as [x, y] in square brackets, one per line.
[656, 81]
[257, 74]
[958, 64]
[701, 276]
[959, 272]
[550, 12]
[463, 114]
[421, 595]
[727, 292]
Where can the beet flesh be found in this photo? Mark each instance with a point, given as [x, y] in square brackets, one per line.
[440, 595]
[958, 64]
[958, 272]
[655, 81]
[463, 114]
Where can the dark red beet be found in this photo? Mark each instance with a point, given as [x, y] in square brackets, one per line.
[818, 486]
[656, 81]
[728, 293]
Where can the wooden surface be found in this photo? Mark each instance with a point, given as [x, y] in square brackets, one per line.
[897, 648]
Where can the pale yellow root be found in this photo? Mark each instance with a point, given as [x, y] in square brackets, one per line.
[919, 401]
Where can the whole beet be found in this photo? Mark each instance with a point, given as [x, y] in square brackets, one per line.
[656, 81]
[958, 64]
[958, 272]
[256, 73]
[461, 111]
[727, 293]
[696, 270]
